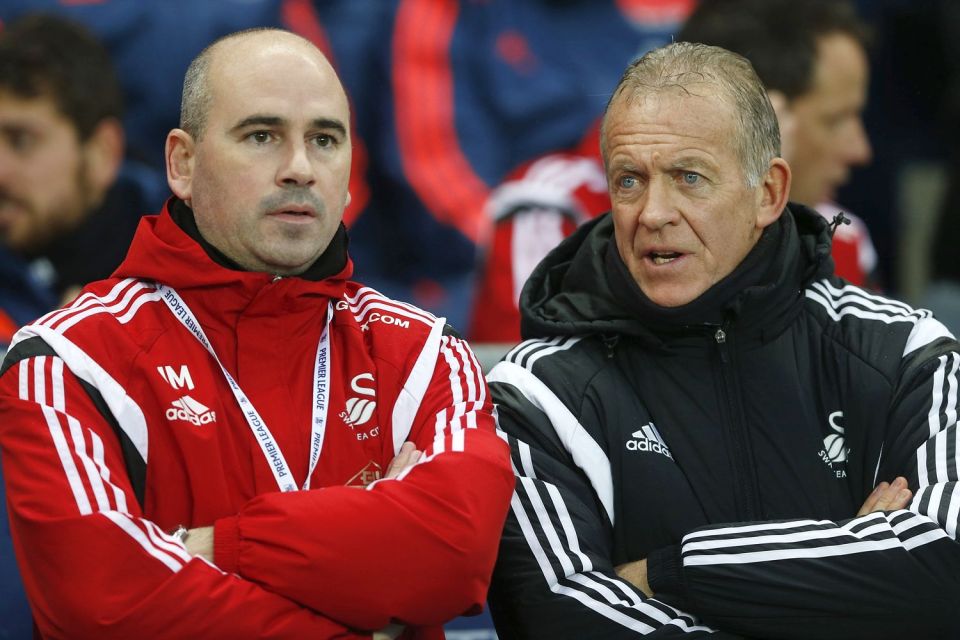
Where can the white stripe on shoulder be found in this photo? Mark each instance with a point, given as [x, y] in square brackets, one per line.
[131, 301]
[924, 332]
[85, 301]
[528, 352]
[368, 300]
[563, 346]
[850, 293]
[127, 413]
[853, 301]
[586, 453]
[517, 354]
[408, 402]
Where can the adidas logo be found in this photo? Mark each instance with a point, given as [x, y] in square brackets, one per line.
[188, 409]
[647, 438]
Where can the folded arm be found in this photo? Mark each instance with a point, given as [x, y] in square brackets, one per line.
[554, 575]
[416, 549]
[92, 564]
[880, 575]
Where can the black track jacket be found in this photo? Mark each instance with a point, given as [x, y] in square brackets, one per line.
[731, 450]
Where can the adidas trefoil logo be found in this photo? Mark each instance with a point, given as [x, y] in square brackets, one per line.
[647, 438]
[189, 410]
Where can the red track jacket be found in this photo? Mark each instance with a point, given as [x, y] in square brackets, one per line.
[117, 425]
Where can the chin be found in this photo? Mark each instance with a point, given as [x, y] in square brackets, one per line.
[670, 297]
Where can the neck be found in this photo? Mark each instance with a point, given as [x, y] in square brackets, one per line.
[331, 262]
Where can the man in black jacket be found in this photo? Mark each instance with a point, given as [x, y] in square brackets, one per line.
[703, 417]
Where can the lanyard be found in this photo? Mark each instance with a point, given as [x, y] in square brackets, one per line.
[262, 434]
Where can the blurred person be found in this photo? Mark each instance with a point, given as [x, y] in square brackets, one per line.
[66, 214]
[235, 439]
[477, 88]
[711, 431]
[68, 205]
[810, 55]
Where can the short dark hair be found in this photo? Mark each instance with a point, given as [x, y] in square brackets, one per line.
[778, 37]
[45, 56]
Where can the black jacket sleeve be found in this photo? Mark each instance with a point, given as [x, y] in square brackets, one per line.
[883, 575]
[554, 577]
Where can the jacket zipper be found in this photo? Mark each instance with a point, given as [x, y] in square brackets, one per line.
[747, 496]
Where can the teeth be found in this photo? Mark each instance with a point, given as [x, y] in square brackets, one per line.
[663, 258]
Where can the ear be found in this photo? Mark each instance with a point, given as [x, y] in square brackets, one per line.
[788, 122]
[103, 152]
[772, 192]
[180, 153]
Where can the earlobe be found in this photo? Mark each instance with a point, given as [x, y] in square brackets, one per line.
[773, 192]
[179, 154]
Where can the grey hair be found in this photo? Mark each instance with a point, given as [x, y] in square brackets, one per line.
[682, 64]
[196, 97]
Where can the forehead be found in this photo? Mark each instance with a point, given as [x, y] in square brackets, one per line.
[841, 66]
[276, 77]
[39, 111]
[696, 119]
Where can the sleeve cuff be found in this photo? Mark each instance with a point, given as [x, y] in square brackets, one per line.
[226, 544]
[665, 572]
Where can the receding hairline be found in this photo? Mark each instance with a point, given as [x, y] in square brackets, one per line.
[197, 87]
[266, 33]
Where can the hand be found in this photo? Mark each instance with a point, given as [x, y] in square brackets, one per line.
[199, 542]
[407, 457]
[636, 574]
[887, 497]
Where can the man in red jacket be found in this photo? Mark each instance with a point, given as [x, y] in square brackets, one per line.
[231, 439]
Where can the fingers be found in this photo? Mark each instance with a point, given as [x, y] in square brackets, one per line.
[407, 457]
[887, 497]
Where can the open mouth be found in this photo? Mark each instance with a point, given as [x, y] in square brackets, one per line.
[663, 257]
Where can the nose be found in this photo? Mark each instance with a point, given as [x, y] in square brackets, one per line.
[296, 168]
[859, 151]
[656, 207]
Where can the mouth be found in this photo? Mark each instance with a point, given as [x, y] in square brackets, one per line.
[296, 213]
[663, 257]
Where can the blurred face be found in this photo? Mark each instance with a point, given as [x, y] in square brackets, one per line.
[683, 214]
[828, 137]
[43, 185]
[268, 179]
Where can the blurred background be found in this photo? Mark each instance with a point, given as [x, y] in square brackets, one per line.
[451, 97]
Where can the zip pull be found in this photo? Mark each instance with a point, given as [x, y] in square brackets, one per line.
[610, 342]
[721, 338]
[276, 277]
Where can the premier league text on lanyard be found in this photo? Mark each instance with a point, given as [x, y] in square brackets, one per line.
[321, 387]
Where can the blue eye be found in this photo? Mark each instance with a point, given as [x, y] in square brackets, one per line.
[628, 182]
[691, 178]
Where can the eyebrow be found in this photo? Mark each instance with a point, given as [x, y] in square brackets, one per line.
[690, 162]
[276, 121]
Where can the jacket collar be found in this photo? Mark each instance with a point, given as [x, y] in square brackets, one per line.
[168, 248]
[580, 289]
